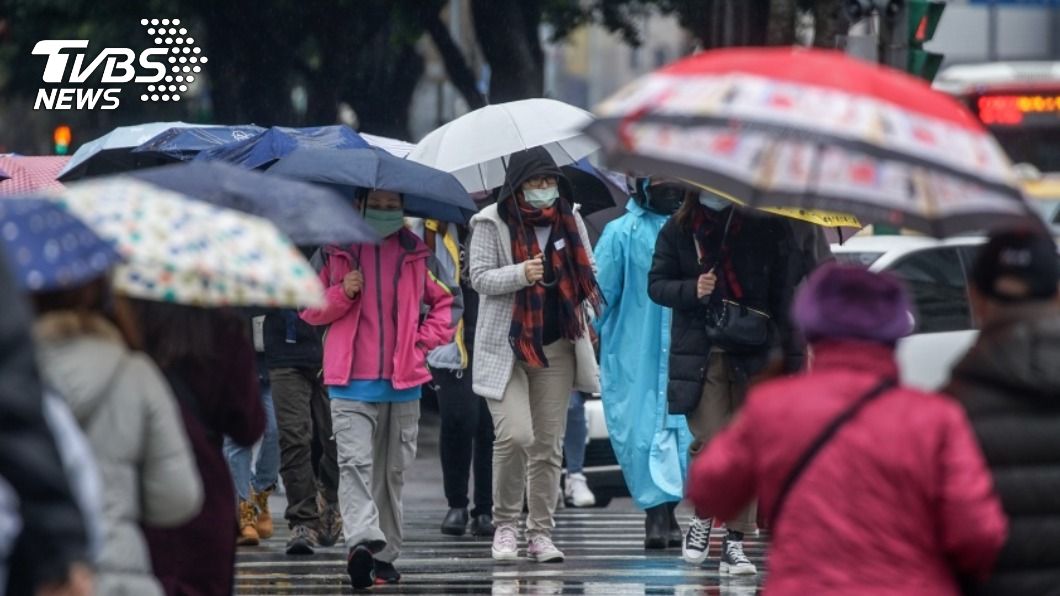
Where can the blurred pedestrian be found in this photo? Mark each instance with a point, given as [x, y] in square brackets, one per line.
[375, 362]
[466, 440]
[128, 413]
[650, 444]
[50, 546]
[192, 345]
[728, 275]
[308, 460]
[576, 491]
[255, 477]
[870, 487]
[1009, 384]
[531, 263]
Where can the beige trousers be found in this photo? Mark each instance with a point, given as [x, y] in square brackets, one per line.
[722, 397]
[529, 423]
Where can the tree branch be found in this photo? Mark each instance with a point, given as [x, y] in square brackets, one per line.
[456, 65]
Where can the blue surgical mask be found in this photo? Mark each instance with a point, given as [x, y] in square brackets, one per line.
[713, 202]
[384, 221]
[541, 198]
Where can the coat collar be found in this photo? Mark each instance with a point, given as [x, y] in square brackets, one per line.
[857, 355]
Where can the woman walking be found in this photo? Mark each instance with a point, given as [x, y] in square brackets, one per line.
[728, 277]
[871, 487]
[375, 362]
[531, 263]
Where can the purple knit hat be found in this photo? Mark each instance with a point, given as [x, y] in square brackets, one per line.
[853, 303]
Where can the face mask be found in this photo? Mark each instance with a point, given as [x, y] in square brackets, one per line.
[665, 198]
[712, 201]
[541, 198]
[385, 221]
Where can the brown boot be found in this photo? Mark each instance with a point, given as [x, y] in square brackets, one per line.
[264, 521]
[248, 534]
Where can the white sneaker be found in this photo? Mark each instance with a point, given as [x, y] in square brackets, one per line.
[734, 561]
[541, 550]
[696, 546]
[577, 491]
[505, 543]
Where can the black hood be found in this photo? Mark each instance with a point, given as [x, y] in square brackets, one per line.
[535, 161]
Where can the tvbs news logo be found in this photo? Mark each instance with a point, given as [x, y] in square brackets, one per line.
[163, 72]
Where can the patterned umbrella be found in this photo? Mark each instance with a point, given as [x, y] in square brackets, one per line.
[28, 174]
[48, 248]
[814, 129]
[181, 250]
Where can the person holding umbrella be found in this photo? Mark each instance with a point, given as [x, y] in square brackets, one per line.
[729, 278]
[375, 362]
[531, 263]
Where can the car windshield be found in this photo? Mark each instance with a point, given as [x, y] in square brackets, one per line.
[861, 259]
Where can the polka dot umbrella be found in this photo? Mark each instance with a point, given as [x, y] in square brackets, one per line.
[181, 250]
[48, 248]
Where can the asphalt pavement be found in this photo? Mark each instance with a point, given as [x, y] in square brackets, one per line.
[604, 549]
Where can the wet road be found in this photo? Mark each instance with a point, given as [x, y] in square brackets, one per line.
[604, 549]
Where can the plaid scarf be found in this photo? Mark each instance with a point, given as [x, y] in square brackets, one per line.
[570, 268]
[715, 247]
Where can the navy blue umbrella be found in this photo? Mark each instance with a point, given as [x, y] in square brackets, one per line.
[48, 248]
[183, 143]
[308, 214]
[261, 151]
[428, 192]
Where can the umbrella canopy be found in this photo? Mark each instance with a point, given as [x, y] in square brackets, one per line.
[264, 149]
[394, 147]
[429, 193]
[593, 190]
[308, 214]
[475, 147]
[112, 152]
[183, 144]
[48, 248]
[814, 129]
[181, 250]
[31, 173]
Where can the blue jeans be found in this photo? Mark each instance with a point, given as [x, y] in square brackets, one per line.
[267, 469]
[577, 433]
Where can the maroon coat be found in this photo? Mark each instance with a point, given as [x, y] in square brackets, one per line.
[198, 558]
[899, 502]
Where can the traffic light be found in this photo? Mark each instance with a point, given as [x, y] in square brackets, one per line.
[923, 18]
[62, 137]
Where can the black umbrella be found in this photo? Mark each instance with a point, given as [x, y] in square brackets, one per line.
[308, 214]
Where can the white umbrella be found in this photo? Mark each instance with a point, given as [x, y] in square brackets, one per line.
[475, 147]
[395, 147]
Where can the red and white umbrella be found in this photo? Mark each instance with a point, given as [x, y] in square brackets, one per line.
[790, 127]
[30, 173]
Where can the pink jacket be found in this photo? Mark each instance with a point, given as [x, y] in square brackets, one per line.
[898, 502]
[348, 352]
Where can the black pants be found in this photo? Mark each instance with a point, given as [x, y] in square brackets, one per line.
[303, 416]
[466, 438]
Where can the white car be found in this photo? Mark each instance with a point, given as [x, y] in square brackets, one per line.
[937, 273]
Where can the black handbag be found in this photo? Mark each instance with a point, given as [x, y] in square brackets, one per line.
[732, 326]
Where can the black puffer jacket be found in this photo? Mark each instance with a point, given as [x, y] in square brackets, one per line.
[1009, 383]
[53, 532]
[762, 252]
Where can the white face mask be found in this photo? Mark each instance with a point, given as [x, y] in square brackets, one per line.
[541, 198]
[712, 201]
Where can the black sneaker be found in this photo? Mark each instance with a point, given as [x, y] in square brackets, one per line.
[302, 541]
[360, 565]
[385, 573]
[696, 546]
[734, 561]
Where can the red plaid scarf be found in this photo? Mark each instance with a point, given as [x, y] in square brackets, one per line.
[715, 246]
[570, 268]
